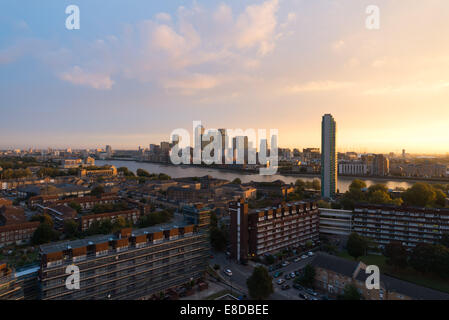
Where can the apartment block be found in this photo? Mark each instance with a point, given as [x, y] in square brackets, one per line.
[197, 214]
[335, 222]
[409, 225]
[332, 274]
[269, 230]
[9, 288]
[130, 215]
[132, 264]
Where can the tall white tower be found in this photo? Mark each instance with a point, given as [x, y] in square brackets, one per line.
[329, 159]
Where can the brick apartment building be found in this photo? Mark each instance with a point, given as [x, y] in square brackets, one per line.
[333, 273]
[132, 264]
[9, 288]
[5, 202]
[86, 202]
[197, 214]
[14, 228]
[409, 225]
[130, 215]
[59, 214]
[269, 230]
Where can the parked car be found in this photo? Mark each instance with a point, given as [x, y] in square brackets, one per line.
[285, 287]
[311, 292]
[287, 277]
[228, 272]
[297, 259]
[298, 286]
[297, 273]
[280, 281]
[303, 296]
[285, 263]
[304, 256]
[277, 274]
[292, 275]
[310, 253]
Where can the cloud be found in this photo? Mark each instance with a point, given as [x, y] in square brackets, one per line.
[409, 88]
[81, 77]
[196, 82]
[318, 86]
[257, 26]
[163, 17]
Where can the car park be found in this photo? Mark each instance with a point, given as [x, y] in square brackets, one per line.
[311, 292]
[302, 296]
[298, 286]
[280, 281]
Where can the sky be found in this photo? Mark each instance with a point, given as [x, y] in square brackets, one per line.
[136, 70]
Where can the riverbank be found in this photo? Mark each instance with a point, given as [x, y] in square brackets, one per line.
[298, 175]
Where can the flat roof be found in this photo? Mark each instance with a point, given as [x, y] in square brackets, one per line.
[177, 222]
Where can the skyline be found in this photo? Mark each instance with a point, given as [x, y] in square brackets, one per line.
[134, 73]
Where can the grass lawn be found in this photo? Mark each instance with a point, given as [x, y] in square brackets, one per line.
[218, 294]
[370, 259]
[408, 274]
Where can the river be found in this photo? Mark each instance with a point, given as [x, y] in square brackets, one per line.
[191, 171]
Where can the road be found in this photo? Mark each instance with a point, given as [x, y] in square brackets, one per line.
[241, 273]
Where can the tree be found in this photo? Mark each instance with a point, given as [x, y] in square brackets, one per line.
[351, 293]
[441, 265]
[75, 206]
[218, 239]
[357, 185]
[423, 257]
[97, 191]
[44, 234]
[316, 184]
[143, 173]
[260, 285]
[380, 197]
[396, 254]
[44, 218]
[269, 259]
[440, 198]
[126, 172]
[420, 194]
[323, 204]
[300, 185]
[445, 240]
[213, 220]
[119, 224]
[356, 245]
[70, 228]
[237, 181]
[307, 279]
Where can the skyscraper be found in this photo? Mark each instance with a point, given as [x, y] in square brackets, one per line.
[328, 157]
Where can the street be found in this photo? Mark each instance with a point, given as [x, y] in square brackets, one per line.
[240, 273]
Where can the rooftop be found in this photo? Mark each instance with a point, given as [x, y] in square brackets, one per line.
[97, 239]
